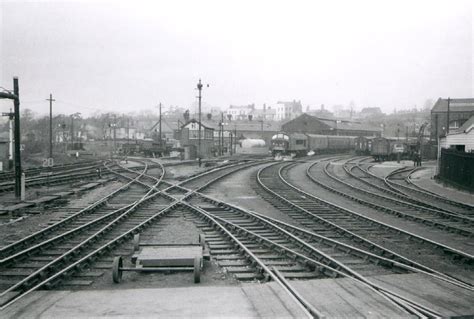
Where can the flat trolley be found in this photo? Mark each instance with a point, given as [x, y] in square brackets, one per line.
[163, 258]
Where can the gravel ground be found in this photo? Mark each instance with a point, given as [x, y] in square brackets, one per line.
[33, 223]
[236, 189]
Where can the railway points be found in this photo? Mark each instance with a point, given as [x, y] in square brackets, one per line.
[280, 256]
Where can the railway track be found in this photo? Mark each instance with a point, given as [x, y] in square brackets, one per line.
[348, 227]
[362, 193]
[33, 263]
[247, 245]
[29, 172]
[399, 185]
[253, 248]
[57, 178]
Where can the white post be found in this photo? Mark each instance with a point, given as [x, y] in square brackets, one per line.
[22, 186]
[10, 148]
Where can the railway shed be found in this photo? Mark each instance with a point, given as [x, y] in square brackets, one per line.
[314, 125]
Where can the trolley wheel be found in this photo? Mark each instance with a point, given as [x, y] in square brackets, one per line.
[136, 242]
[202, 240]
[117, 269]
[197, 270]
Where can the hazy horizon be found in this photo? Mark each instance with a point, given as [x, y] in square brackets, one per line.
[125, 56]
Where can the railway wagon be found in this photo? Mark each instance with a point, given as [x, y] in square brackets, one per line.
[380, 149]
[317, 143]
[329, 143]
[340, 143]
[362, 145]
[283, 143]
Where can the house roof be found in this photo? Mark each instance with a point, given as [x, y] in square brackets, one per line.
[343, 124]
[351, 126]
[455, 105]
[203, 123]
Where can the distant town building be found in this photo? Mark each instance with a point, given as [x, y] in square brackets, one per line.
[240, 112]
[460, 110]
[288, 110]
[265, 114]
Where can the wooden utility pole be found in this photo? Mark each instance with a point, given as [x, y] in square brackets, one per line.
[72, 131]
[235, 139]
[221, 135]
[128, 130]
[115, 133]
[50, 124]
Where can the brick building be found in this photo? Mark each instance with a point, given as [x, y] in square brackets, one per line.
[460, 110]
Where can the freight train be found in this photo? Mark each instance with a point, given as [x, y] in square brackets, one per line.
[300, 144]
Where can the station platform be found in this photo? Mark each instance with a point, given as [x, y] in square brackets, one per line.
[332, 297]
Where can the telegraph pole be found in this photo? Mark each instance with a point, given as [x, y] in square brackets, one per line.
[115, 133]
[235, 139]
[72, 131]
[128, 130]
[160, 124]
[199, 87]
[221, 135]
[50, 124]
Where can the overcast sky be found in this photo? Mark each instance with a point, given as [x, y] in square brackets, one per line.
[129, 55]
